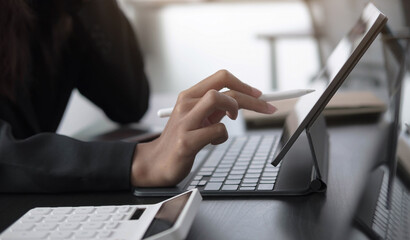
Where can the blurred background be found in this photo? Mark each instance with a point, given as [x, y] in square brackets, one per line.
[270, 44]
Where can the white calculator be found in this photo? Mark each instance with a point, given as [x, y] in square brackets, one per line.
[170, 219]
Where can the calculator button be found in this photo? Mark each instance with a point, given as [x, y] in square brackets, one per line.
[112, 225]
[123, 209]
[40, 211]
[31, 219]
[23, 227]
[60, 235]
[99, 217]
[93, 225]
[45, 226]
[85, 234]
[118, 217]
[55, 218]
[25, 235]
[77, 218]
[69, 226]
[84, 210]
[104, 234]
[62, 210]
[106, 209]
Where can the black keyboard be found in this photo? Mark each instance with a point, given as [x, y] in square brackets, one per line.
[241, 164]
[393, 223]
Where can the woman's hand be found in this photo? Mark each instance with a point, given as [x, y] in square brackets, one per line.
[194, 123]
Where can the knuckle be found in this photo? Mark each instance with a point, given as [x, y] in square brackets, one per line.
[212, 95]
[182, 95]
[233, 94]
[179, 109]
[223, 75]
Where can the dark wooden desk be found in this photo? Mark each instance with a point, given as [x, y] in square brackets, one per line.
[353, 149]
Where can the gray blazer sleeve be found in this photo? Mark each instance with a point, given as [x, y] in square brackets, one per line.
[48, 162]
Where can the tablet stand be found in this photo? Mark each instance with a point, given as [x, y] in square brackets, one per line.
[319, 147]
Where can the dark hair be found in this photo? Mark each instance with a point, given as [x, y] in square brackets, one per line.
[42, 25]
[15, 25]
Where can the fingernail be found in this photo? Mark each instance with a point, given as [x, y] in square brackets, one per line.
[256, 92]
[271, 108]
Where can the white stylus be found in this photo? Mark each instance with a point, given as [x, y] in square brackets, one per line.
[268, 97]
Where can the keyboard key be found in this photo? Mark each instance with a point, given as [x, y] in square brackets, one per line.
[217, 179]
[191, 187]
[232, 182]
[213, 186]
[198, 178]
[194, 183]
[230, 187]
[237, 172]
[123, 209]
[248, 185]
[202, 183]
[269, 174]
[250, 180]
[252, 175]
[246, 188]
[265, 186]
[205, 173]
[267, 181]
[239, 168]
[258, 171]
[222, 170]
[220, 174]
[207, 169]
[225, 165]
[267, 178]
[213, 159]
[235, 177]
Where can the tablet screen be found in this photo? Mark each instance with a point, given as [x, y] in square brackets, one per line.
[338, 66]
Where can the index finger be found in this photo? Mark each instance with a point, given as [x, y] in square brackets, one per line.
[219, 80]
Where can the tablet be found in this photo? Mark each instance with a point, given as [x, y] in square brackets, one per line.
[338, 66]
